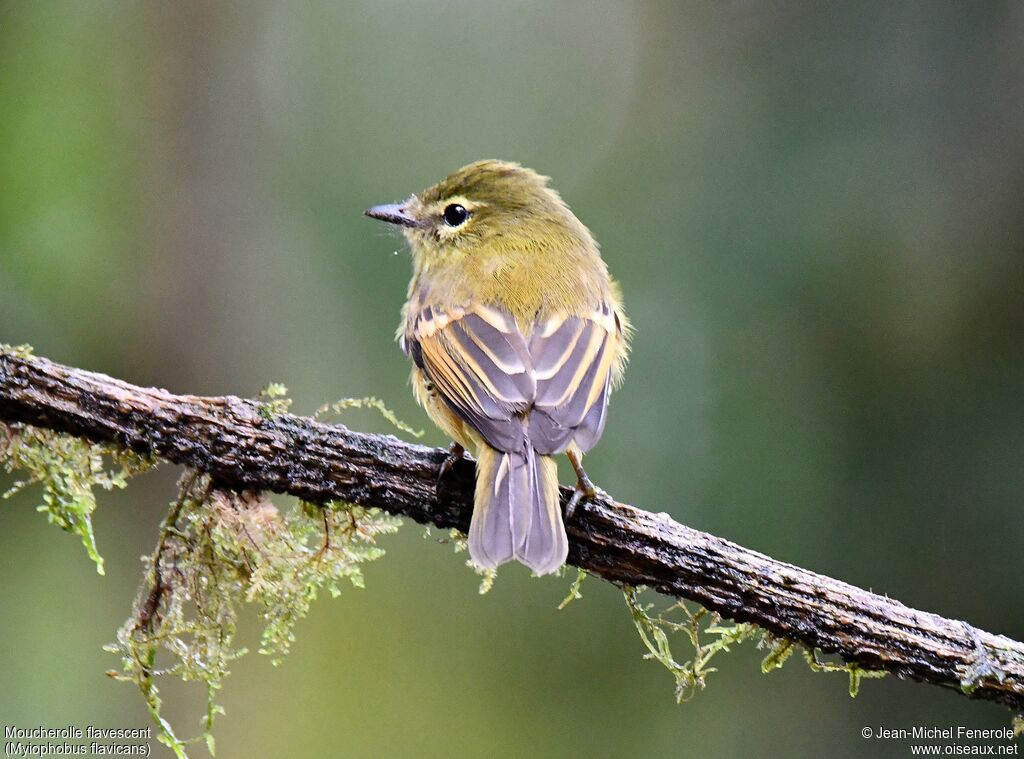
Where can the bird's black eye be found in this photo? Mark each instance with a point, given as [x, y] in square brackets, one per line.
[454, 215]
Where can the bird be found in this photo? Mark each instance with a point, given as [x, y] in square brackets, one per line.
[517, 337]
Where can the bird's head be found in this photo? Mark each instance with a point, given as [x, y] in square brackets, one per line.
[486, 208]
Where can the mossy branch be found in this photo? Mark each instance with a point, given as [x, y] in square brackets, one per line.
[240, 446]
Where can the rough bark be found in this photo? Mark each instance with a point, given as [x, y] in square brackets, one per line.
[234, 440]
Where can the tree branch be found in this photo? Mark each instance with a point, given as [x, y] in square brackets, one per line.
[233, 440]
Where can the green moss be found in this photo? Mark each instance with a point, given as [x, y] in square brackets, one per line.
[24, 350]
[216, 551]
[855, 672]
[574, 589]
[368, 402]
[274, 400]
[69, 470]
[707, 637]
[779, 651]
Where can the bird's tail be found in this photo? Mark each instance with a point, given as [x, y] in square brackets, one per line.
[516, 513]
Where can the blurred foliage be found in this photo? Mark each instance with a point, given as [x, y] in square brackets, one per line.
[814, 210]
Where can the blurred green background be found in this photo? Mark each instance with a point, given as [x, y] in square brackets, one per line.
[815, 211]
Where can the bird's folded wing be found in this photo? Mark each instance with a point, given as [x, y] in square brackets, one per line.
[574, 358]
[479, 362]
[553, 387]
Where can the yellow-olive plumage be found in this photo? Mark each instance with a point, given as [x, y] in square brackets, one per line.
[517, 337]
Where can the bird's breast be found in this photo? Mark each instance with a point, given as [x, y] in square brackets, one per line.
[526, 287]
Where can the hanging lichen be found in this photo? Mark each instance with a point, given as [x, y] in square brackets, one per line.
[216, 550]
[708, 636]
[68, 469]
[691, 676]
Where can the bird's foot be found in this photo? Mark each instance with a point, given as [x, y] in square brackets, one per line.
[585, 487]
[455, 454]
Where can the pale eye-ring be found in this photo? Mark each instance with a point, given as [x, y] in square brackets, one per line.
[455, 215]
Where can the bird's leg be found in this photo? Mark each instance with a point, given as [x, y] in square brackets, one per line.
[455, 454]
[585, 488]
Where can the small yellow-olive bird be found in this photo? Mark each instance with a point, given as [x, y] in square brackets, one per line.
[517, 336]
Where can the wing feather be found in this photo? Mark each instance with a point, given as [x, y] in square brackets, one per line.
[572, 391]
[480, 364]
[552, 389]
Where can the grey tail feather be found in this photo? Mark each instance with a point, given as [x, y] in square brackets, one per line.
[516, 514]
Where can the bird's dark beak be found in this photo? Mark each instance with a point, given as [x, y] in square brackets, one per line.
[393, 213]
